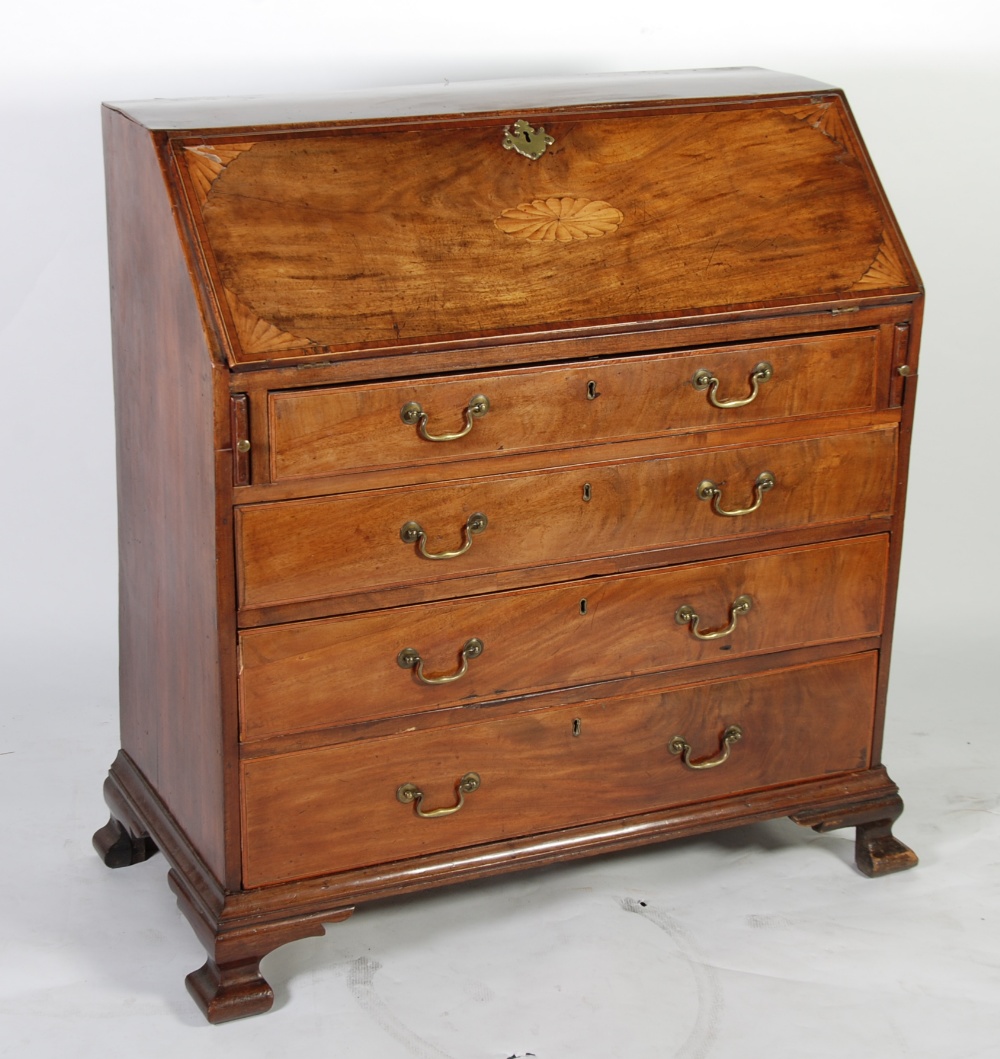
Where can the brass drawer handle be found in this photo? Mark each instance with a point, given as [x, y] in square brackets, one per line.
[411, 413]
[410, 792]
[685, 615]
[705, 380]
[679, 745]
[413, 533]
[409, 658]
[708, 490]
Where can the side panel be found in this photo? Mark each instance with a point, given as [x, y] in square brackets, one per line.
[166, 392]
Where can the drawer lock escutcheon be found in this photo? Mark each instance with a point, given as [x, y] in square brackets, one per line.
[526, 141]
[708, 490]
[409, 658]
[705, 380]
[410, 792]
[412, 413]
[679, 745]
[413, 533]
[686, 615]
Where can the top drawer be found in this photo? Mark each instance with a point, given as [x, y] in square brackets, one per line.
[328, 431]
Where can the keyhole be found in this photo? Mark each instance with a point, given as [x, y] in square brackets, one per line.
[592, 390]
[583, 606]
[586, 492]
[577, 726]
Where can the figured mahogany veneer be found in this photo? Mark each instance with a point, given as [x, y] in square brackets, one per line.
[320, 432]
[325, 547]
[548, 769]
[344, 670]
[646, 396]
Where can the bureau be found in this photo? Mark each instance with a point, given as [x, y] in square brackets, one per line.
[508, 473]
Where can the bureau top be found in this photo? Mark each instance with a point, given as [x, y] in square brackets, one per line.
[371, 224]
[462, 97]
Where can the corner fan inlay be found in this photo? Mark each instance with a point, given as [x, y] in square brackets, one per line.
[560, 219]
[205, 164]
[887, 270]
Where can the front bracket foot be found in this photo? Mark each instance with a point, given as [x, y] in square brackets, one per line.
[876, 850]
[230, 991]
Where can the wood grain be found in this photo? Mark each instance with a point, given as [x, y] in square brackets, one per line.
[336, 808]
[720, 208]
[171, 680]
[344, 670]
[321, 432]
[309, 549]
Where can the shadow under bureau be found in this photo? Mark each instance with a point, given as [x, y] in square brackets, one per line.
[508, 472]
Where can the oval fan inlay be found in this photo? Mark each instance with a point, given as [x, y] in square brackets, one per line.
[561, 219]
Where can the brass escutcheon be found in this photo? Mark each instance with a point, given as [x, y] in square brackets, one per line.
[409, 658]
[679, 745]
[532, 143]
[413, 533]
[410, 792]
[705, 380]
[412, 413]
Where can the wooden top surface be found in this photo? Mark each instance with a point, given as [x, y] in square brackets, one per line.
[462, 97]
[372, 236]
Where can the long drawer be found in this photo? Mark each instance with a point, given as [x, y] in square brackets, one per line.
[302, 550]
[341, 670]
[351, 805]
[333, 430]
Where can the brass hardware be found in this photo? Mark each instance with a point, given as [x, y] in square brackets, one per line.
[587, 492]
[583, 606]
[708, 490]
[905, 369]
[577, 726]
[410, 792]
[592, 393]
[686, 615]
[409, 658]
[850, 309]
[243, 445]
[413, 533]
[411, 413]
[705, 380]
[679, 745]
[532, 143]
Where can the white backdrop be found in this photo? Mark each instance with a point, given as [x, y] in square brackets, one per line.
[922, 77]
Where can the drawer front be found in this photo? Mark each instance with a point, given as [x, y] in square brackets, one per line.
[338, 807]
[342, 670]
[331, 431]
[310, 549]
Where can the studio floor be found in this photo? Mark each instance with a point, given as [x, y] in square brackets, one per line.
[762, 940]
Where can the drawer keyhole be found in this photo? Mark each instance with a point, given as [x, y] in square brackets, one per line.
[592, 393]
[577, 726]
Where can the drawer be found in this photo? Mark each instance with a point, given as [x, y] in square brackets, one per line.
[331, 431]
[300, 550]
[337, 807]
[341, 670]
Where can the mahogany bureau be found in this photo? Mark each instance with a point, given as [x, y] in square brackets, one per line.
[508, 472]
